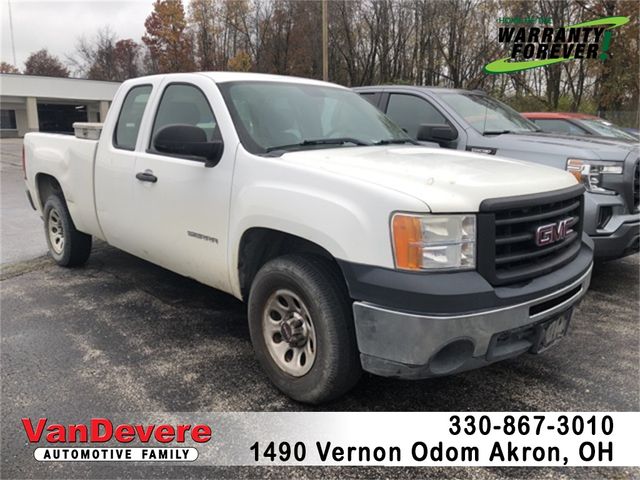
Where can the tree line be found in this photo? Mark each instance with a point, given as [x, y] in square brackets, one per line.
[426, 42]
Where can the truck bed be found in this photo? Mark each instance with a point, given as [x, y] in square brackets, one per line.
[71, 161]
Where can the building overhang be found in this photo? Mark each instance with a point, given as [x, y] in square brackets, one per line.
[54, 88]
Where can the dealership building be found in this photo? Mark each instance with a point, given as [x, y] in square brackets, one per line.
[50, 104]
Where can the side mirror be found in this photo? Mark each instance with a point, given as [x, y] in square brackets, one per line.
[436, 133]
[188, 141]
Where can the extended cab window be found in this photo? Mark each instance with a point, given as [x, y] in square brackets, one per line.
[126, 132]
[410, 112]
[183, 104]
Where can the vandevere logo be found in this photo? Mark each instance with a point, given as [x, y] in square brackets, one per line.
[533, 47]
[57, 442]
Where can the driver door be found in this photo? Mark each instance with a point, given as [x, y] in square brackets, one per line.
[410, 111]
[182, 207]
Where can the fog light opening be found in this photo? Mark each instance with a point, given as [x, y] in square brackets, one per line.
[451, 357]
[604, 215]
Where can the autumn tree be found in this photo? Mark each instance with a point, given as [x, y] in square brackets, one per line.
[291, 43]
[105, 58]
[426, 42]
[45, 64]
[617, 83]
[203, 18]
[229, 32]
[127, 59]
[116, 61]
[8, 68]
[169, 42]
[240, 62]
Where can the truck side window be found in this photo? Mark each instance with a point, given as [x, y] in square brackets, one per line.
[410, 111]
[558, 125]
[372, 98]
[184, 104]
[126, 132]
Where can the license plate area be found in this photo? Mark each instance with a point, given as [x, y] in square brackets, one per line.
[551, 331]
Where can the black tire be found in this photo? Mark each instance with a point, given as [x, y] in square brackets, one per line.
[320, 286]
[75, 247]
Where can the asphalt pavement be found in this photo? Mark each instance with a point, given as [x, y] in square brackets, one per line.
[123, 335]
[22, 237]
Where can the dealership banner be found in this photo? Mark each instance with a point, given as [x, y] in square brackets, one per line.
[341, 439]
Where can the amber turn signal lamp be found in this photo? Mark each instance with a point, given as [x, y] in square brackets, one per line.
[575, 168]
[407, 241]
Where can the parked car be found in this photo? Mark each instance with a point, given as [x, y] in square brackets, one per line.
[476, 122]
[353, 247]
[578, 124]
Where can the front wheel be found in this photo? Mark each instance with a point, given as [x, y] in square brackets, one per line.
[302, 329]
[68, 246]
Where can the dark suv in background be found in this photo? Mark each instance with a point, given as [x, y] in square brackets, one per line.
[476, 122]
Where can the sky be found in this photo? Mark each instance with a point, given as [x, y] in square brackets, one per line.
[57, 25]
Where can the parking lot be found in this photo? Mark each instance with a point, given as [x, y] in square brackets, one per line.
[122, 335]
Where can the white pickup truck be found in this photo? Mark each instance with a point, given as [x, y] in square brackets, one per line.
[353, 247]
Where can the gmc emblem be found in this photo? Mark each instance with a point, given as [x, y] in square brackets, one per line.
[552, 233]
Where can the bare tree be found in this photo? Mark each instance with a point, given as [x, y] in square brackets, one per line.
[43, 63]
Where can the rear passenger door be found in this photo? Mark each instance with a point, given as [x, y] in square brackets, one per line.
[114, 169]
[182, 217]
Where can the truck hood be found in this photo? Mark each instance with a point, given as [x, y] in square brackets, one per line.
[588, 148]
[446, 180]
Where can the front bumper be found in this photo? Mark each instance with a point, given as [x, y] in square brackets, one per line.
[613, 221]
[621, 238]
[398, 343]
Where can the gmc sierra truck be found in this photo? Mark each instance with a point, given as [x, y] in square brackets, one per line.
[473, 121]
[353, 247]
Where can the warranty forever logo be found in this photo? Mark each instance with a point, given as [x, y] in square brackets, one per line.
[548, 45]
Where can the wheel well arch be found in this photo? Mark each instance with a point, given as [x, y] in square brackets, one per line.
[46, 185]
[258, 245]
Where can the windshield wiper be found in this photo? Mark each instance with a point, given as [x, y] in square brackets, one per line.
[396, 141]
[319, 141]
[496, 132]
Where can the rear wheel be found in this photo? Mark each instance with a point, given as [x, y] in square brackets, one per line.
[302, 329]
[68, 246]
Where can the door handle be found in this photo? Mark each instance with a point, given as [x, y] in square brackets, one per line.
[147, 176]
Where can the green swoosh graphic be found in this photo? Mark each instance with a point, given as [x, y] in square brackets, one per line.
[614, 21]
[503, 65]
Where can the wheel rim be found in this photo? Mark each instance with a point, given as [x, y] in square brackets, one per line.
[289, 333]
[56, 231]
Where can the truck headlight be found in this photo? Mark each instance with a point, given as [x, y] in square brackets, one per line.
[589, 173]
[434, 242]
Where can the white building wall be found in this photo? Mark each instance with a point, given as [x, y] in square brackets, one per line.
[21, 121]
[53, 87]
[22, 93]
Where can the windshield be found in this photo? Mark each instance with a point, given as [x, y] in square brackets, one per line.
[276, 117]
[487, 115]
[606, 129]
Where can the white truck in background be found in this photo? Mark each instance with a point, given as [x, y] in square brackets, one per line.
[353, 247]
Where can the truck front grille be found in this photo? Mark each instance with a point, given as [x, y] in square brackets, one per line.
[524, 237]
